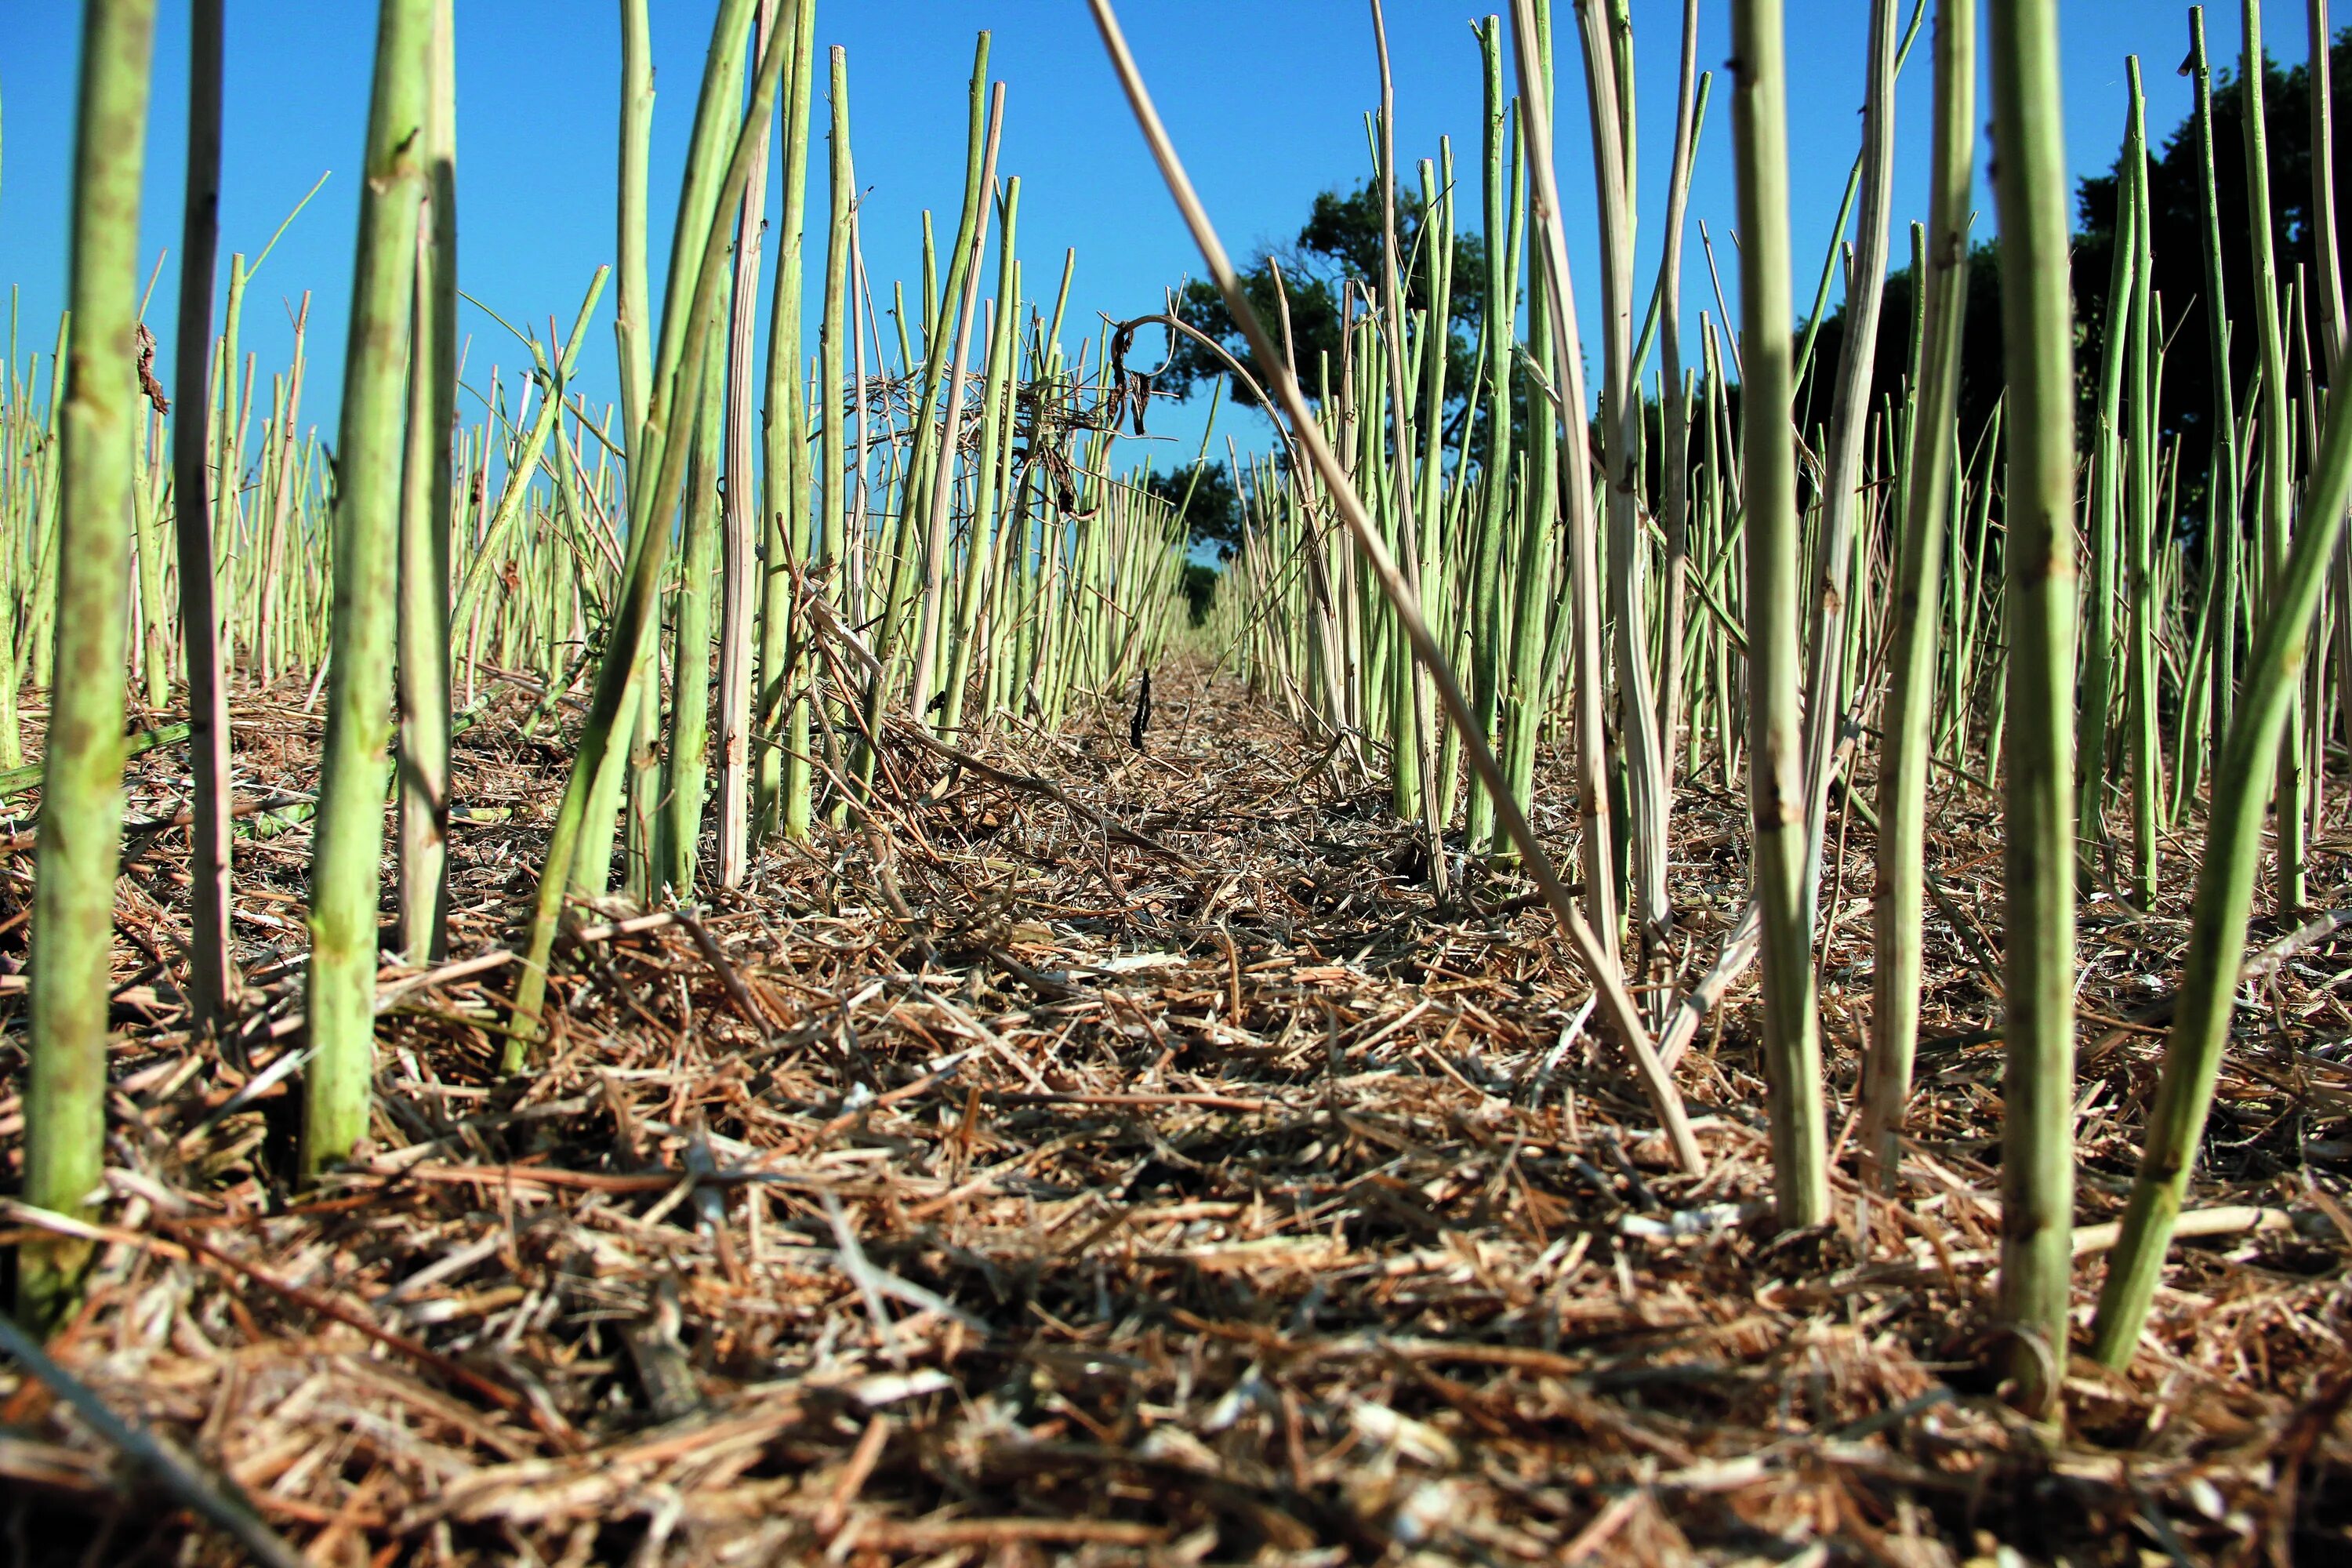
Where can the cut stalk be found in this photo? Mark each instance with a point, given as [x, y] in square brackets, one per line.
[1825, 702]
[1898, 908]
[910, 552]
[833, 453]
[210, 968]
[96, 412]
[780, 794]
[1587, 669]
[994, 457]
[2140, 652]
[1768, 481]
[1490, 605]
[941, 492]
[428, 495]
[2223, 526]
[2106, 523]
[1648, 803]
[2224, 901]
[348, 849]
[2274, 429]
[2039, 601]
[740, 531]
[687, 763]
[1690, 108]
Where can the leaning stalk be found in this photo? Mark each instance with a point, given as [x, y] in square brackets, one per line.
[695, 271]
[1307, 433]
[2225, 887]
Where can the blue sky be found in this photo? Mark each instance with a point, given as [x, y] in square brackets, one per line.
[1267, 100]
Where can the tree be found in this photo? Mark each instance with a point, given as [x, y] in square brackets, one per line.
[2174, 181]
[2186, 402]
[1336, 249]
[1205, 498]
[1199, 586]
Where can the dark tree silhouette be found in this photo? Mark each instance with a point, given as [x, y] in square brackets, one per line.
[1211, 507]
[1337, 247]
[2177, 222]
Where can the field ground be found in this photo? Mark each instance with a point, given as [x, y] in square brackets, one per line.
[1150, 1174]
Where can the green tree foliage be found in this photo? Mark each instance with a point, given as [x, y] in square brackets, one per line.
[1981, 373]
[1340, 244]
[1207, 501]
[1199, 586]
[2187, 406]
[1337, 248]
[2179, 281]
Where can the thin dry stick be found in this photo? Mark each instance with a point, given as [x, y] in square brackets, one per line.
[219, 1500]
[1615, 1000]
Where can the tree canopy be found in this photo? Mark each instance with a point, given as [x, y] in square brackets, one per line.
[2178, 223]
[1339, 248]
[1206, 499]
[1336, 249]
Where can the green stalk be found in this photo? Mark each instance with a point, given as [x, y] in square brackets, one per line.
[49, 528]
[2106, 522]
[2038, 553]
[1416, 726]
[906, 559]
[2225, 901]
[1820, 312]
[979, 547]
[1824, 700]
[1768, 481]
[941, 493]
[73, 892]
[780, 795]
[1439, 525]
[1639, 746]
[1690, 113]
[1898, 906]
[2222, 522]
[428, 493]
[2329, 287]
[2141, 652]
[1490, 607]
[527, 452]
[632, 310]
[688, 761]
[626, 778]
[1564, 364]
[694, 272]
[154, 613]
[740, 531]
[210, 968]
[2274, 427]
[222, 408]
[349, 846]
[833, 453]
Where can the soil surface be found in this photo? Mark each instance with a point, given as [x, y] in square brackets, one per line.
[1146, 1170]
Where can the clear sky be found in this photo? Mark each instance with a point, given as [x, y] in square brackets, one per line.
[1267, 100]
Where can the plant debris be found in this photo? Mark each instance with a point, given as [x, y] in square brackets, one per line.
[1147, 1172]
